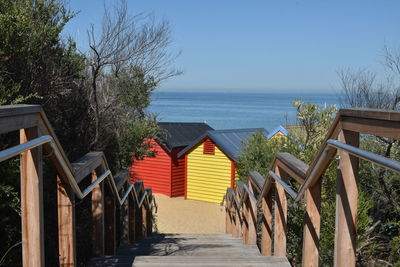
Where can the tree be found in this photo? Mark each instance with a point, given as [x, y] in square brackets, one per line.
[126, 62]
[37, 66]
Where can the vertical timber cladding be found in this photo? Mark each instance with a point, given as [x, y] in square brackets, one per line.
[208, 175]
[155, 172]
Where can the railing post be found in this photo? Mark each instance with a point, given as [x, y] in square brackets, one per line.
[251, 219]
[266, 225]
[145, 221]
[97, 217]
[235, 223]
[228, 220]
[32, 201]
[346, 203]
[124, 219]
[66, 224]
[138, 221]
[312, 221]
[131, 216]
[280, 217]
[109, 221]
[239, 218]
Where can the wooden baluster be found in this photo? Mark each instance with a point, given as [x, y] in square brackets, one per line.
[110, 245]
[97, 216]
[66, 224]
[312, 221]
[149, 216]
[139, 221]
[266, 225]
[228, 221]
[235, 222]
[239, 217]
[32, 201]
[244, 223]
[131, 215]
[144, 221]
[251, 219]
[124, 218]
[280, 217]
[346, 203]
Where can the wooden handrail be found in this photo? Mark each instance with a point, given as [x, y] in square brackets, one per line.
[342, 138]
[36, 132]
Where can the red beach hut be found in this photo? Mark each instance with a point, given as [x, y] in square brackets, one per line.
[165, 173]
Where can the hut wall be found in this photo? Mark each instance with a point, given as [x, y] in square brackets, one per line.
[208, 175]
[155, 172]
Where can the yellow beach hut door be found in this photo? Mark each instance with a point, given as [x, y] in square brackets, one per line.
[208, 173]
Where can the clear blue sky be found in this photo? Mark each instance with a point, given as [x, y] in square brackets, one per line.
[263, 46]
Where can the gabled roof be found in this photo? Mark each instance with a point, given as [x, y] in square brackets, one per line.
[277, 130]
[181, 134]
[229, 141]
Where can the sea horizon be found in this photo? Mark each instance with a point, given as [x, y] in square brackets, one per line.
[234, 110]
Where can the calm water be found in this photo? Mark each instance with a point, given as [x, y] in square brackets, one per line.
[232, 110]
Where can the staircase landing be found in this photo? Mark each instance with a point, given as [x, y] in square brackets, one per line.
[189, 250]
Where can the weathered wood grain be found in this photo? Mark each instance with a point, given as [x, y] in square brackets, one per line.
[66, 224]
[32, 202]
[86, 164]
[346, 203]
[312, 225]
[97, 217]
[280, 229]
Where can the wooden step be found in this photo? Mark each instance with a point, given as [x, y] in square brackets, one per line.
[143, 261]
[188, 250]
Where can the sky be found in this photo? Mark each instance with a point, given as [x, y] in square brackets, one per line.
[262, 46]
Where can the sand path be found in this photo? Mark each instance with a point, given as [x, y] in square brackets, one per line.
[176, 215]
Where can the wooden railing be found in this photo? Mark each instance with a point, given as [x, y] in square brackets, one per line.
[107, 193]
[342, 139]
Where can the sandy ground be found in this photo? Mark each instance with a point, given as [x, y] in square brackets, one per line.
[177, 215]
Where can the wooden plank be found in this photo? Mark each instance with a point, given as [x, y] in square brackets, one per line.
[228, 222]
[346, 203]
[266, 225]
[257, 180]
[121, 178]
[110, 242]
[312, 222]
[131, 215]
[252, 219]
[389, 129]
[86, 164]
[138, 219]
[32, 201]
[369, 113]
[124, 222]
[144, 221]
[280, 217]
[245, 222]
[333, 132]
[20, 109]
[66, 224]
[97, 217]
[46, 129]
[294, 167]
[15, 123]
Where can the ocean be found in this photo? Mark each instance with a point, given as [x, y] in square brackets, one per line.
[233, 110]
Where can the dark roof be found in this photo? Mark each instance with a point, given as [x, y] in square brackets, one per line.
[230, 141]
[181, 134]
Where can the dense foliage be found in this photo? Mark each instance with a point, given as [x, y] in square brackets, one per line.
[38, 65]
[378, 213]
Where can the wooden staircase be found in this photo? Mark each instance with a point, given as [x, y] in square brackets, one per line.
[189, 250]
